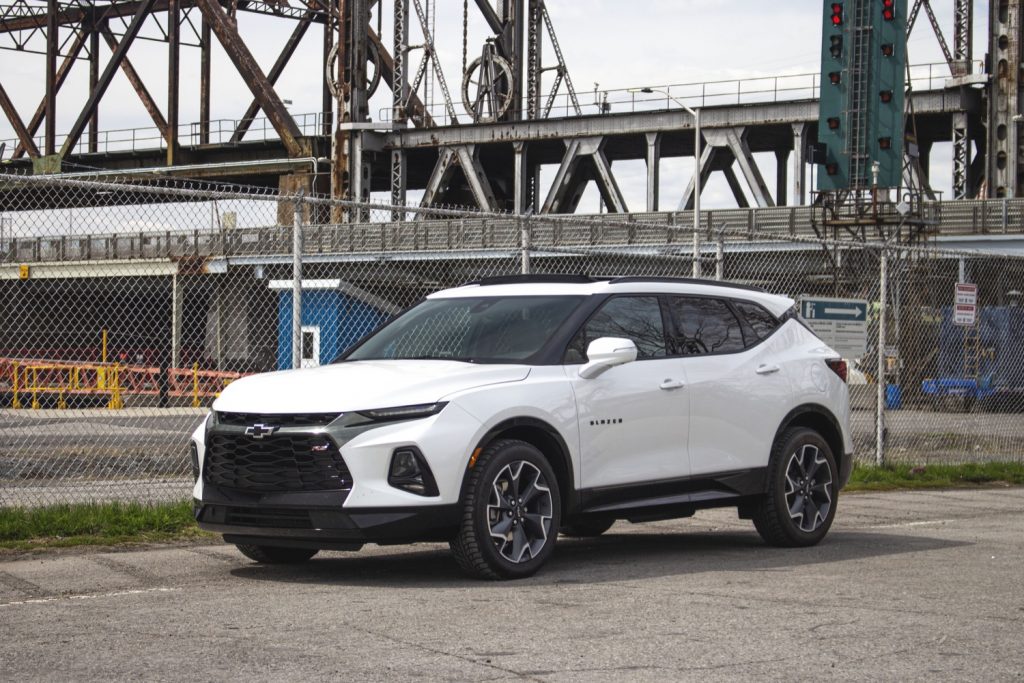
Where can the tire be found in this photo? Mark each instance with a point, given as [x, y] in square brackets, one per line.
[587, 528]
[803, 491]
[270, 554]
[511, 512]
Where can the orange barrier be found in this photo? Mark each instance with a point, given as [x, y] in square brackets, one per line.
[30, 379]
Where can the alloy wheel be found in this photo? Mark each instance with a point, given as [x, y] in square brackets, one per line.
[808, 487]
[519, 511]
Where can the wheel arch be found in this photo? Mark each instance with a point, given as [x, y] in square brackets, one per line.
[545, 438]
[820, 419]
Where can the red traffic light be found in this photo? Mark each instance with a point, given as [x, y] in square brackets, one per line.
[885, 96]
[833, 123]
[832, 169]
[834, 77]
[837, 13]
[888, 10]
[885, 143]
[887, 50]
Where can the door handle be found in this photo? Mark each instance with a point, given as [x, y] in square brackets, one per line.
[669, 384]
[767, 369]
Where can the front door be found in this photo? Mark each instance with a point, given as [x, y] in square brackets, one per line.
[633, 418]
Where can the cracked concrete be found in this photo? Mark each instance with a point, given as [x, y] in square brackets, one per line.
[907, 586]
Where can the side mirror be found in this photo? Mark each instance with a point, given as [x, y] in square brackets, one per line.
[605, 353]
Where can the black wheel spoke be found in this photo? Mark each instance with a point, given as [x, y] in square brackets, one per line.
[519, 512]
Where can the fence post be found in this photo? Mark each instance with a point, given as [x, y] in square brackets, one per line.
[883, 285]
[720, 255]
[524, 230]
[297, 284]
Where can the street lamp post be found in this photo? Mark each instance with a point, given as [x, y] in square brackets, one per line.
[696, 170]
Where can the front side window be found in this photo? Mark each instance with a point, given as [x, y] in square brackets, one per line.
[476, 329]
[703, 326]
[630, 317]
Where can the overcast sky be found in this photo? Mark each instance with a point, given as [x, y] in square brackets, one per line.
[612, 43]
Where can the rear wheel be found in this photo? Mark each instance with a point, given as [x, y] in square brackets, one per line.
[270, 554]
[803, 490]
[511, 513]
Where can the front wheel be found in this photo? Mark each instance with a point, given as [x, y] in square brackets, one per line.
[270, 554]
[803, 490]
[511, 513]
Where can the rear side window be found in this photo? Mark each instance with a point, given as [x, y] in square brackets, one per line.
[703, 326]
[760, 321]
[631, 317]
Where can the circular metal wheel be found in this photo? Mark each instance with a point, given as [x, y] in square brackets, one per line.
[481, 80]
[808, 488]
[519, 511]
[800, 503]
[511, 513]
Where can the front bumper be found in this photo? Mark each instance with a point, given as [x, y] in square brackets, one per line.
[316, 519]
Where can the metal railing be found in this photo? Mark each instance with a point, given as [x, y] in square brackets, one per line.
[949, 218]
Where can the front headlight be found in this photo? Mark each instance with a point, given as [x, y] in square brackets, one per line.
[404, 412]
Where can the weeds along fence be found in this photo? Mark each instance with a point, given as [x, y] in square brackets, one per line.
[125, 308]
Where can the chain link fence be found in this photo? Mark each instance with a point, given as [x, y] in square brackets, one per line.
[126, 307]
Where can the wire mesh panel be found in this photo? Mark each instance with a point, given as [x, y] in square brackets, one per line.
[126, 308]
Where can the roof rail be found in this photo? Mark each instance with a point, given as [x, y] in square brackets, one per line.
[688, 281]
[539, 278]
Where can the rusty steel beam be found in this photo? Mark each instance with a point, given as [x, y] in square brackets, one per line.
[204, 83]
[94, 77]
[51, 76]
[140, 88]
[62, 74]
[19, 126]
[74, 16]
[227, 34]
[387, 72]
[108, 74]
[275, 72]
[173, 64]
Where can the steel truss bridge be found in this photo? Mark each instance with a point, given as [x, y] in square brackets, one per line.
[482, 138]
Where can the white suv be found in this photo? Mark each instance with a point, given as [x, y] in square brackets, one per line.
[499, 414]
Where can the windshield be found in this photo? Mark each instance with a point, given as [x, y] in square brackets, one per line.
[474, 329]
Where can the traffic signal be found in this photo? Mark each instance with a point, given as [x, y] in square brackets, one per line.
[887, 77]
[860, 117]
[831, 151]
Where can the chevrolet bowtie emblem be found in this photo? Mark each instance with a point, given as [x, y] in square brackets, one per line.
[260, 430]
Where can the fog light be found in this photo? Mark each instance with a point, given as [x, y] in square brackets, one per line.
[409, 472]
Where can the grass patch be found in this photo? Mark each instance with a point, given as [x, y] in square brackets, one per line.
[96, 524]
[893, 477]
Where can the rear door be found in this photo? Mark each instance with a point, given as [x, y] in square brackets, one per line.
[737, 379]
[632, 418]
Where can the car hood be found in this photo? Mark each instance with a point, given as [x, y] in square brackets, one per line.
[360, 385]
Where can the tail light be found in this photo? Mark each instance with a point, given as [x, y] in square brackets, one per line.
[838, 366]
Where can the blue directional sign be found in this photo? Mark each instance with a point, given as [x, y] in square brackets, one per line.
[841, 323]
[854, 310]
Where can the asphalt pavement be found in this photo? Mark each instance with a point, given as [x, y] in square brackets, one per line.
[908, 586]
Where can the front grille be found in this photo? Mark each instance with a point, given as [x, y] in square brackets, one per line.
[266, 518]
[282, 462]
[278, 420]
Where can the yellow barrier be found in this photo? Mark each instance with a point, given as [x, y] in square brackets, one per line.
[36, 379]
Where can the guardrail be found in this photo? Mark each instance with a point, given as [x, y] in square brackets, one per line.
[949, 218]
[31, 382]
[731, 92]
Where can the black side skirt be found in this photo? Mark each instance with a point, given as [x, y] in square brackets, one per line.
[672, 498]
